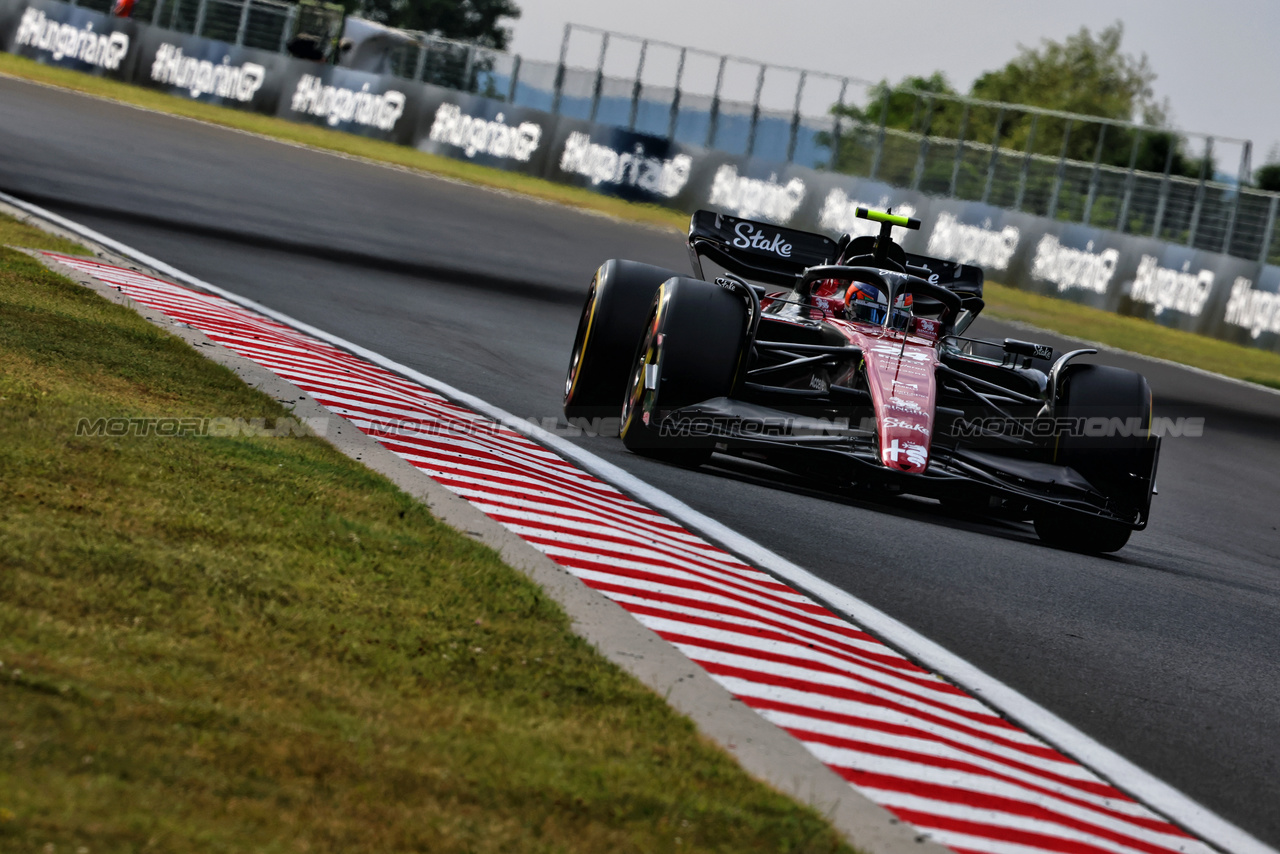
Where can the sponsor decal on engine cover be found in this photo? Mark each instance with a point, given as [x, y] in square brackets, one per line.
[1166, 288]
[973, 244]
[632, 168]
[476, 135]
[105, 50]
[1074, 268]
[752, 198]
[337, 105]
[202, 77]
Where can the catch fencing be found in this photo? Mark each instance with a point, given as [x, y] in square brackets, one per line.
[1065, 167]
[263, 24]
[1059, 165]
[1178, 285]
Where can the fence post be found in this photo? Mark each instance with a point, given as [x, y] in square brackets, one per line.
[995, 152]
[675, 96]
[1123, 225]
[287, 30]
[795, 119]
[1093, 176]
[884, 123]
[559, 84]
[917, 174]
[515, 80]
[955, 166]
[420, 65]
[1025, 171]
[1164, 189]
[1198, 207]
[595, 90]
[244, 21]
[635, 87]
[715, 106]
[1265, 252]
[155, 13]
[755, 111]
[201, 10]
[1062, 172]
[835, 125]
[1241, 179]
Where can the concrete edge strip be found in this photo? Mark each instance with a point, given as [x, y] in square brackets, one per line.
[1122, 773]
[764, 750]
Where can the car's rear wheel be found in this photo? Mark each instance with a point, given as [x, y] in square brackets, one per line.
[690, 351]
[609, 330]
[1114, 450]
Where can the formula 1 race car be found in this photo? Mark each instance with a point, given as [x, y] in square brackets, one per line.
[846, 362]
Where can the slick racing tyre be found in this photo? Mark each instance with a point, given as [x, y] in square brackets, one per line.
[1116, 452]
[609, 330]
[690, 352]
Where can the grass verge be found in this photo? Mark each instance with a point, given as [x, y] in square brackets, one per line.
[1058, 315]
[255, 644]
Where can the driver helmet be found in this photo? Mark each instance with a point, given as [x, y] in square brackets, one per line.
[867, 303]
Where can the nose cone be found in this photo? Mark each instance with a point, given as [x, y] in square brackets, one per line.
[905, 455]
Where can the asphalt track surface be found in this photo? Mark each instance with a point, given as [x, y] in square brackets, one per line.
[1168, 652]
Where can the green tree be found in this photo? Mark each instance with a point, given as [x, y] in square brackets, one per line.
[478, 21]
[1085, 74]
[1268, 177]
[1091, 75]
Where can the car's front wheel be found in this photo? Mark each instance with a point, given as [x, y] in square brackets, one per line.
[609, 328]
[690, 352]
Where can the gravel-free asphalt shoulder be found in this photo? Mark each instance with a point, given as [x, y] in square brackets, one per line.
[1166, 652]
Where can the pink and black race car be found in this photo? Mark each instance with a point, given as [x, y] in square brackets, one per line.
[846, 362]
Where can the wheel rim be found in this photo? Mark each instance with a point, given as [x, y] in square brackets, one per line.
[580, 342]
[635, 403]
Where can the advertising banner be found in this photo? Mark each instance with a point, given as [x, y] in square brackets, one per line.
[618, 162]
[208, 70]
[378, 106]
[54, 33]
[483, 130]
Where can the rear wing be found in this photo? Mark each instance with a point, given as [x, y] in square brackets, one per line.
[756, 250]
[775, 255]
